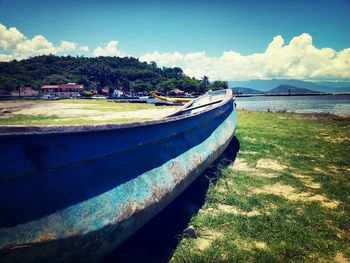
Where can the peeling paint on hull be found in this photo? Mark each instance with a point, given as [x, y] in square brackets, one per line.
[76, 195]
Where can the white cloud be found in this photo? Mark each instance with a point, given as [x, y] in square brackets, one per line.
[84, 48]
[38, 45]
[67, 46]
[14, 45]
[163, 58]
[5, 58]
[298, 59]
[109, 50]
[9, 38]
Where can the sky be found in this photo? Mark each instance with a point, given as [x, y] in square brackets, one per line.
[227, 40]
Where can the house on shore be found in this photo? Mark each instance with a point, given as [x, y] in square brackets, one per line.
[63, 91]
[105, 91]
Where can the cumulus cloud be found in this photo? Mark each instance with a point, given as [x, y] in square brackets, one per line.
[38, 45]
[9, 38]
[110, 49]
[298, 59]
[67, 46]
[84, 48]
[17, 46]
[163, 58]
[5, 58]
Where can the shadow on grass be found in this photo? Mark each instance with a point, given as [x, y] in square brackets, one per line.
[156, 241]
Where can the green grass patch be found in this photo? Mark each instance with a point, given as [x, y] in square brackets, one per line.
[70, 112]
[101, 104]
[298, 211]
[22, 119]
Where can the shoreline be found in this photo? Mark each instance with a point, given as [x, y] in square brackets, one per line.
[4, 98]
[77, 112]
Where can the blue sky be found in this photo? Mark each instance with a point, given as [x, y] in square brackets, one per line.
[187, 27]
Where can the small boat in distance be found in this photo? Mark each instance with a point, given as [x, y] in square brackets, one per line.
[163, 100]
[74, 193]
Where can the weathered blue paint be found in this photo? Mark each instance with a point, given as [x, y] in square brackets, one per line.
[74, 193]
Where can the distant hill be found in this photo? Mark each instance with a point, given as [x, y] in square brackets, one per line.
[266, 85]
[338, 84]
[95, 73]
[290, 89]
[246, 90]
[334, 86]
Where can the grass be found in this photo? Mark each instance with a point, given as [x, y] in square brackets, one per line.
[93, 103]
[22, 119]
[70, 112]
[18, 119]
[106, 104]
[286, 197]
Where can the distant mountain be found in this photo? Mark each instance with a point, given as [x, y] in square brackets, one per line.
[290, 89]
[342, 87]
[246, 90]
[266, 85]
[338, 84]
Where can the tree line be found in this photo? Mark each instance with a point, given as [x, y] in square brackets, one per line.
[123, 73]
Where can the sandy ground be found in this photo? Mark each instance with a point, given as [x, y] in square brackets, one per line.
[89, 111]
[13, 106]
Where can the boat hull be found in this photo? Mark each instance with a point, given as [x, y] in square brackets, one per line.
[162, 100]
[79, 209]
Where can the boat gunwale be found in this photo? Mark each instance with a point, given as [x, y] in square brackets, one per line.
[36, 130]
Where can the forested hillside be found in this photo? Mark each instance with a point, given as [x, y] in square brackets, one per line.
[127, 74]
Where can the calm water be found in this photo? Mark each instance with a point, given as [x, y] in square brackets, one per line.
[300, 104]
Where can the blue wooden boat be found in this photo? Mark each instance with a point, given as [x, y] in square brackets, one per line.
[73, 193]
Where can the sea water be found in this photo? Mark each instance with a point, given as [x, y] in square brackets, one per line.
[336, 104]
